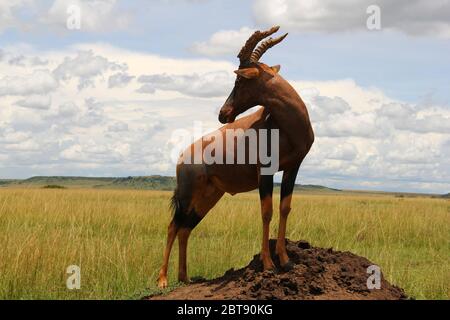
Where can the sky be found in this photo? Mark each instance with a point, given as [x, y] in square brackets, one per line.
[104, 98]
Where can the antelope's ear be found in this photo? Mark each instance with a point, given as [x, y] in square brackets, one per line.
[276, 68]
[248, 73]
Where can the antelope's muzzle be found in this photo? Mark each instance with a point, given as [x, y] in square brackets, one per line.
[226, 114]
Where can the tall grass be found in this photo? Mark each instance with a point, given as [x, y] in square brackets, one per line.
[117, 238]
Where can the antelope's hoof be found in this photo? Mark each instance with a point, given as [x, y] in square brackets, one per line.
[162, 282]
[270, 267]
[267, 263]
[184, 279]
[288, 266]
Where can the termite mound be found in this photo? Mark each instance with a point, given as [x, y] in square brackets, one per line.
[317, 274]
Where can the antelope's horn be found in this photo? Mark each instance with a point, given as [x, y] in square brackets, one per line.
[263, 47]
[247, 50]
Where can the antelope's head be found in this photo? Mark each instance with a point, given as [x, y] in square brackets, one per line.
[252, 79]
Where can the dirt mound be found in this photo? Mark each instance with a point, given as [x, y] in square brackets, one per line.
[317, 274]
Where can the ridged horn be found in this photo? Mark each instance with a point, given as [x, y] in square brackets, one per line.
[247, 50]
[263, 47]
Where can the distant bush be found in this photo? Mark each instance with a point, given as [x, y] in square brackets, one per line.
[53, 186]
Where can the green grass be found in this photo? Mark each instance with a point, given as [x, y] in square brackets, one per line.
[117, 238]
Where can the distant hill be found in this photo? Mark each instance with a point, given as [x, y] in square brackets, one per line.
[313, 187]
[149, 183]
[309, 187]
[4, 182]
[144, 183]
[157, 182]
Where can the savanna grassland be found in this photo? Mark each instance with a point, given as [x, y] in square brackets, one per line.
[117, 238]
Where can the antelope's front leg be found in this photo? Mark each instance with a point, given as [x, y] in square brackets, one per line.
[265, 195]
[287, 187]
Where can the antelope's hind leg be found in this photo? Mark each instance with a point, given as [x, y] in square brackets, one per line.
[171, 234]
[287, 187]
[202, 203]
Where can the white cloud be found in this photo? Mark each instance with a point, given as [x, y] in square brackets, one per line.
[377, 143]
[208, 85]
[9, 17]
[17, 60]
[38, 82]
[120, 79]
[92, 152]
[223, 42]
[22, 60]
[36, 61]
[12, 137]
[146, 88]
[85, 66]
[81, 131]
[349, 125]
[146, 63]
[396, 110]
[118, 127]
[35, 102]
[325, 106]
[413, 17]
[438, 123]
[67, 110]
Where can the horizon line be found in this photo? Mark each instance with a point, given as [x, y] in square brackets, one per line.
[298, 184]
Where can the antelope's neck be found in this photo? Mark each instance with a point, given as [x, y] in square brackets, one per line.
[289, 111]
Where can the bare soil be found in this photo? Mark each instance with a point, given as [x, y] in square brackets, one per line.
[317, 274]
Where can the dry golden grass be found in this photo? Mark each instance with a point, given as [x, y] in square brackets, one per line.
[117, 238]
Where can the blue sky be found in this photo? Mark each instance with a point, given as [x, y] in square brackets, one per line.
[394, 80]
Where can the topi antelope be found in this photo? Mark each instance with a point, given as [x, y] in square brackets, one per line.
[200, 186]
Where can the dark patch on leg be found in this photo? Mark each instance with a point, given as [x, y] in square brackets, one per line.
[190, 220]
[286, 191]
[180, 217]
[265, 186]
[288, 182]
[176, 206]
[182, 195]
